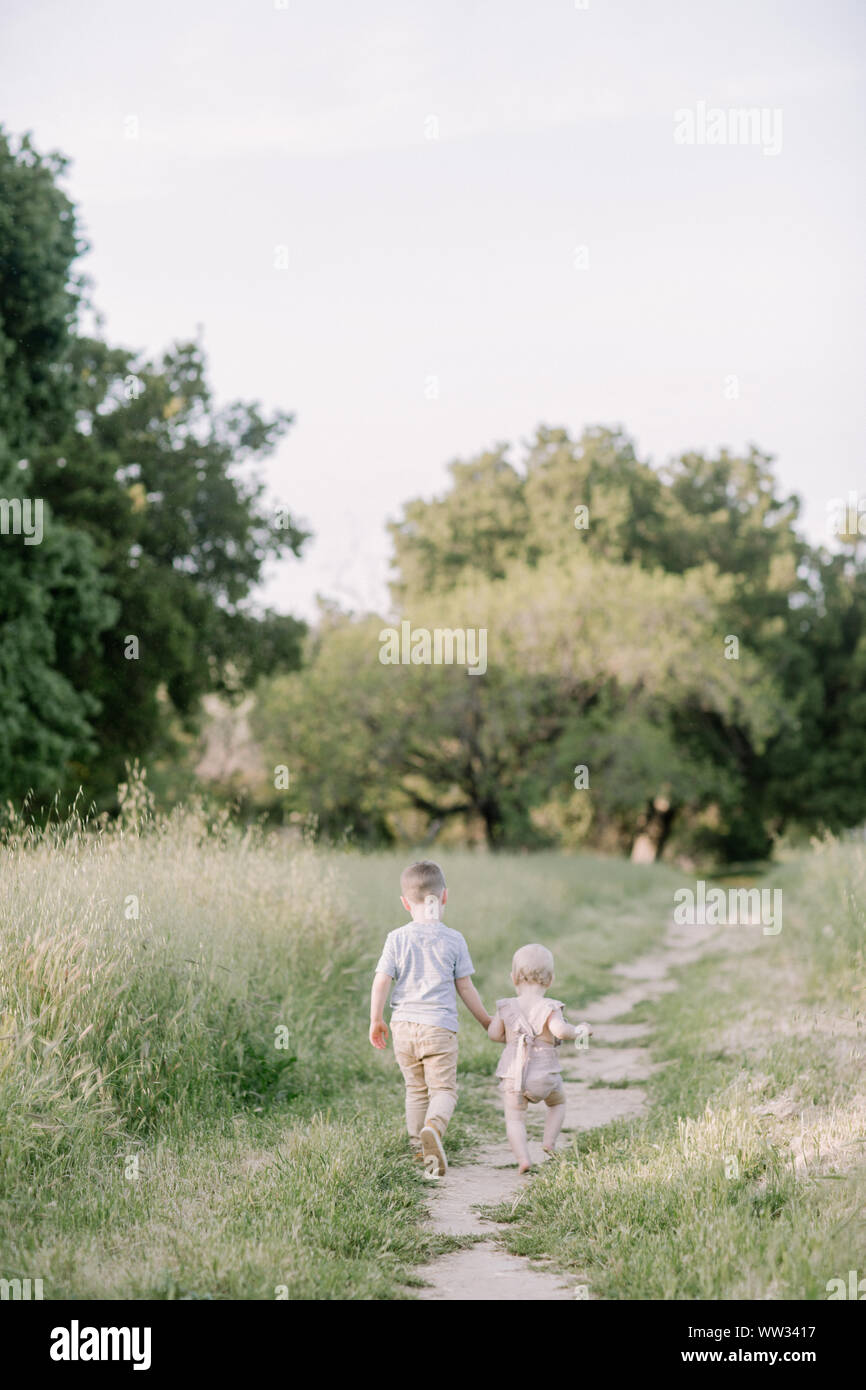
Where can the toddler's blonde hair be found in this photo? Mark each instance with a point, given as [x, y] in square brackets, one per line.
[532, 965]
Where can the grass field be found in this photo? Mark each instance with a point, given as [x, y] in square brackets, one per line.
[189, 1107]
[748, 1177]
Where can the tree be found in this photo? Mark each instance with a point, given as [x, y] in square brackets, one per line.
[53, 603]
[157, 527]
[580, 659]
[40, 296]
[158, 478]
[53, 600]
[478, 528]
[330, 724]
[751, 729]
[815, 770]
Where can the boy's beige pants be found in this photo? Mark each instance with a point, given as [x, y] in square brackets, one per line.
[428, 1060]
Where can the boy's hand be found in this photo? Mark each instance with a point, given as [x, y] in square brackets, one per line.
[472, 999]
[379, 993]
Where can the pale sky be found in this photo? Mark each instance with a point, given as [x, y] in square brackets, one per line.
[432, 169]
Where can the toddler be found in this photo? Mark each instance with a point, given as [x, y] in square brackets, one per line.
[532, 1027]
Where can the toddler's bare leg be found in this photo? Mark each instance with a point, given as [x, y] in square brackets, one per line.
[515, 1128]
[553, 1120]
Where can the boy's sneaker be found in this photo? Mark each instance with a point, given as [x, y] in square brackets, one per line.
[435, 1162]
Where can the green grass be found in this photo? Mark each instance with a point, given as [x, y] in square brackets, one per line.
[747, 1178]
[155, 1141]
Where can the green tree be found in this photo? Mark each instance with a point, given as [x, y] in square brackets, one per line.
[797, 611]
[163, 482]
[53, 604]
[721, 517]
[40, 296]
[581, 659]
[156, 524]
[478, 528]
[815, 771]
[331, 724]
[53, 600]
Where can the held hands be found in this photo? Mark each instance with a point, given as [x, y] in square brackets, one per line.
[379, 1033]
[496, 1029]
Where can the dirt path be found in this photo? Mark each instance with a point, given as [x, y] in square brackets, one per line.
[486, 1271]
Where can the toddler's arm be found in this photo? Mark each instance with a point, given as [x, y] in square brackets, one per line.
[496, 1029]
[560, 1029]
[472, 999]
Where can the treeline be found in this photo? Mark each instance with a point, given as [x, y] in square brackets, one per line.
[130, 598]
[668, 662]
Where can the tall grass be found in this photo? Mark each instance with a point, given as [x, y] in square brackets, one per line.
[157, 1138]
[147, 975]
[155, 1142]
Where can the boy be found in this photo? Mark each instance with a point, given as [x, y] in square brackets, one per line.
[429, 962]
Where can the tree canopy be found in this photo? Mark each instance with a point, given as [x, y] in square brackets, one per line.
[666, 629]
[137, 599]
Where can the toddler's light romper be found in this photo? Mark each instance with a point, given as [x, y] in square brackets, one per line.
[529, 1068]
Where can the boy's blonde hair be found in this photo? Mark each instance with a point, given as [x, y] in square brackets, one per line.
[532, 965]
[422, 879]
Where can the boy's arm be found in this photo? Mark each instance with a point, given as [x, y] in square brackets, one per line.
[378, 997]
[472, 999]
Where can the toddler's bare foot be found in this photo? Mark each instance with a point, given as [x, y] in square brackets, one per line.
[524, 1168]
